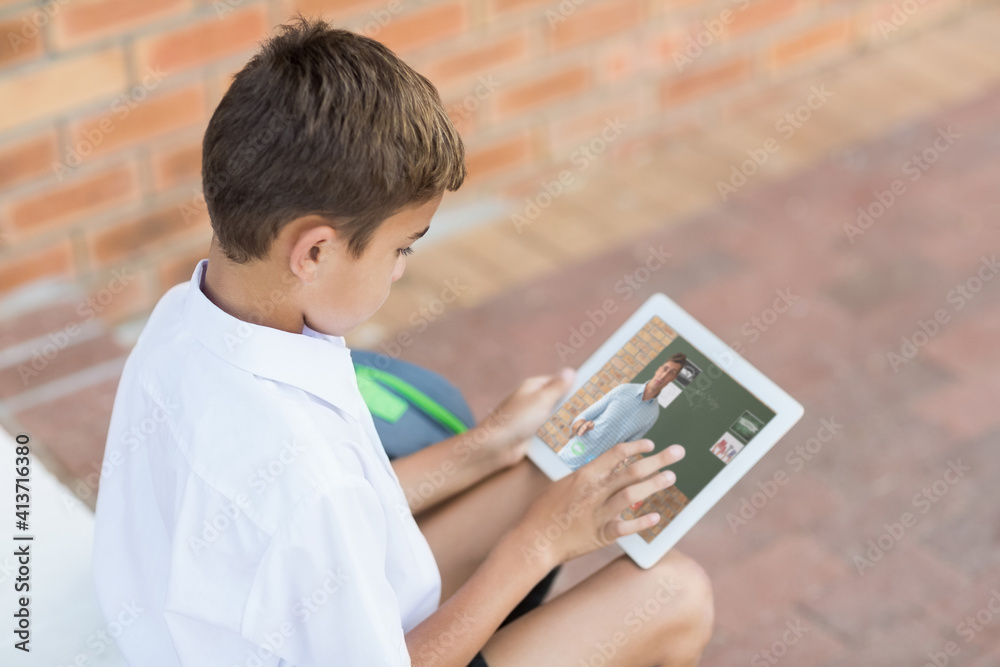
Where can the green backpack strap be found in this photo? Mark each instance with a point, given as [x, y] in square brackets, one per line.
[381, 402]
[374, 385]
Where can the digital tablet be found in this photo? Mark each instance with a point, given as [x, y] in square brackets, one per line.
[726, 414]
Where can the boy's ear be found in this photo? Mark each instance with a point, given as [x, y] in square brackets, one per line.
[313, 245]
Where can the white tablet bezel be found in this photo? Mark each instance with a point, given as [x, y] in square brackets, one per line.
[787, 412]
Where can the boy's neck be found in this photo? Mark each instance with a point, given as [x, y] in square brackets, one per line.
[246, 291]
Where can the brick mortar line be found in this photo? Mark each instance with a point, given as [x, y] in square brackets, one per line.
[22, 352]
[548, 169]
[42, 453]
[65, 386]
[863, 137]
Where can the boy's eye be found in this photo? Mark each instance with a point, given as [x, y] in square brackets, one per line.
[404, 251]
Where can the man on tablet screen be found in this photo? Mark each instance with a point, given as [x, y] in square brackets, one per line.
[625, 413]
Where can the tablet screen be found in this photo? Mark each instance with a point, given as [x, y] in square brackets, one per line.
[659, 386]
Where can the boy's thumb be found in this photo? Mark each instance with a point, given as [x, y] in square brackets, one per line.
[564, 377]
[558, 383]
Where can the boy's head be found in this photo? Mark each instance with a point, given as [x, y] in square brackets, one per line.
[324, 157]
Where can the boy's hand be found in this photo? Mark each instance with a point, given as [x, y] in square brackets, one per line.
[582, 511]
[582, 426]
[518, 416]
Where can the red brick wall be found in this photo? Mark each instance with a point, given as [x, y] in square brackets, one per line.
[103, 102]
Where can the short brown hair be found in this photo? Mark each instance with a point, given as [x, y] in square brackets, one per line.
[679, 358]
[323, 121]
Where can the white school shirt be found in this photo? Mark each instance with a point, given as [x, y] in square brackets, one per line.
[247, 512]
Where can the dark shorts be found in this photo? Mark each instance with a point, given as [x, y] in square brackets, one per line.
[478, 661]
[532, 600]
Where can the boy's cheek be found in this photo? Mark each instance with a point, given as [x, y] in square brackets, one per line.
[397, 271]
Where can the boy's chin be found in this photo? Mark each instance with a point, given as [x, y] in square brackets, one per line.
[343, 323]
[348, 324]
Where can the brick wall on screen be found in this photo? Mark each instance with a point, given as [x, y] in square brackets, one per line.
[103, 102]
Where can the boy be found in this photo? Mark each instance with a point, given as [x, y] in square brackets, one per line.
[248, 508]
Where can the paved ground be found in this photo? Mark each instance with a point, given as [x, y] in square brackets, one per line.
[895, 424]
[900, 421]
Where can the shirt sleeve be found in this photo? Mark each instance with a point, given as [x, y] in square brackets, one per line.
[320, 595]
[596, 408]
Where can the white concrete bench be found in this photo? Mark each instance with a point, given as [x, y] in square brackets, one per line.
[67, 627]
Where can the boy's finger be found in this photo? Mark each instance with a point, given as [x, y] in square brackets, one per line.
[632, 494]
[621, 527]
[649, 465]
[559, 381]
[556, 385]
[668, 456]
[620, 453]
[535, 382]
[624, 464]
[611, 466]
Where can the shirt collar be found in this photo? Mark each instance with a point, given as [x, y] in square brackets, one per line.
[314, 362]
[642, 390]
